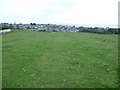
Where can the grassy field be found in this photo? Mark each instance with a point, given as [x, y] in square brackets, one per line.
[59, 60]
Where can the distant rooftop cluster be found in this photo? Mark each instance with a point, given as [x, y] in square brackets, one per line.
[46, 27]
[60, 28]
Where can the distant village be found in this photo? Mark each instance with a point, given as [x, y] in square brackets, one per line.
[58, 28]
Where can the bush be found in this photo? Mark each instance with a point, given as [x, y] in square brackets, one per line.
[41, 30]
[7, 27]
[55, 31]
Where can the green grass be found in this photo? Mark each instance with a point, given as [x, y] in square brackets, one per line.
[59, 60]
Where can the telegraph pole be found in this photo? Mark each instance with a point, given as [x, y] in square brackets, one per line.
[14, 24]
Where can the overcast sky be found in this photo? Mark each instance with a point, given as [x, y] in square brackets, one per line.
[59, 11]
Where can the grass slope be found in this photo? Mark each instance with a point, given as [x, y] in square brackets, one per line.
[59, 60]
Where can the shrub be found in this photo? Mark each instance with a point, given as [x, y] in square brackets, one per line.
[7, 27]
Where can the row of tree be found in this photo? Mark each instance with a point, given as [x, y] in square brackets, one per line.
[108, 31]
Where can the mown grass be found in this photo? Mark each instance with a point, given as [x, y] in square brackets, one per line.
[59, 60]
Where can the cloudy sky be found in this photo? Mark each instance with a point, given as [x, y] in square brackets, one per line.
[59, 11]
